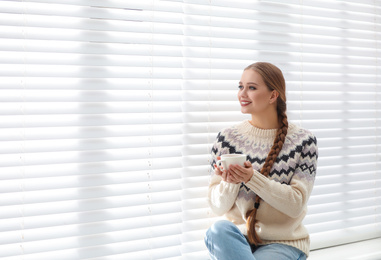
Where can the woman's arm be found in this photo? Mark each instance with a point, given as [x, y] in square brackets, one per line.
[221, 194]
[222, 191]
[290, 199]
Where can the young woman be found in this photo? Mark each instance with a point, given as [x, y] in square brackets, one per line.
[265, 201]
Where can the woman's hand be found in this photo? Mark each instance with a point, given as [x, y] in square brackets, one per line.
[241, 174]
[226, 176]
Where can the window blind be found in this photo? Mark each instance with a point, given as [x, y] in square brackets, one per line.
[109, 110]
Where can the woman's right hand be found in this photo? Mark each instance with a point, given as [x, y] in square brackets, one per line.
[224, 173]
[218, 171]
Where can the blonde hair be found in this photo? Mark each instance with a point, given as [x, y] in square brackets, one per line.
[274, 80]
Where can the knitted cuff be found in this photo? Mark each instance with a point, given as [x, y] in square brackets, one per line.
[257, 182]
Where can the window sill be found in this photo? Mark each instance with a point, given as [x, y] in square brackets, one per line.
[364, 250]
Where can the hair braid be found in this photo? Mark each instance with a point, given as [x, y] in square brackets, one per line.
[270, 160]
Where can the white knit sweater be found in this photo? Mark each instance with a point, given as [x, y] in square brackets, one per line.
[284, 192]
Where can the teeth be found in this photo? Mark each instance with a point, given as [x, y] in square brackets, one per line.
[244, 103]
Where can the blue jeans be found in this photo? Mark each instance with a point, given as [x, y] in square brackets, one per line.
[226, 242]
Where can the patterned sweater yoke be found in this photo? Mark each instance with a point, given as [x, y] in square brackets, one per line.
[284, 192]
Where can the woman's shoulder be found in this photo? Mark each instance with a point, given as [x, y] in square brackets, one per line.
[234, 130]
[300, 136]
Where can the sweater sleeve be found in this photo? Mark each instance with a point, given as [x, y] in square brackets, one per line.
[221, 194]
[291, 199]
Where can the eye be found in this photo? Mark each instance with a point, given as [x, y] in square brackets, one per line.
[240, 87]
[252, 88]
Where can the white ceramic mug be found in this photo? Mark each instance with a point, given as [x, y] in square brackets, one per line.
[231, 159]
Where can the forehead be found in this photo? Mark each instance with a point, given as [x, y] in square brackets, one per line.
[251, 76]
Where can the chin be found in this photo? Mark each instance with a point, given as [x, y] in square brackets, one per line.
[245, 112]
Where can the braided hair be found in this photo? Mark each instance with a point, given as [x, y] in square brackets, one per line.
[274, 80]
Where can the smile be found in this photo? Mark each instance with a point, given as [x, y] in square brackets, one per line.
[245, 103]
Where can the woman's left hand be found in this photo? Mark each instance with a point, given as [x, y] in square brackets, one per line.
[241, 174]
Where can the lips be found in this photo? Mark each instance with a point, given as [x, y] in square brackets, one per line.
[245, 103]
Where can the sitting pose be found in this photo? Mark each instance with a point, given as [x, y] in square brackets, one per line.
[264, 201]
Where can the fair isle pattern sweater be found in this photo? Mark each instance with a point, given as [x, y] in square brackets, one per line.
[284, 192]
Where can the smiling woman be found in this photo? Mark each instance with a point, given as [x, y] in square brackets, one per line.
[266, 199]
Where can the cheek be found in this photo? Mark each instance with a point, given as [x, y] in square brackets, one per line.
[260, 99]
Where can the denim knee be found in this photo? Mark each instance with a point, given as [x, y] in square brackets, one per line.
[219, 231]
[223, 225]
[224, 240]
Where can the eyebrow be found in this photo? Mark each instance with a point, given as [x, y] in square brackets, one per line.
[250, 83]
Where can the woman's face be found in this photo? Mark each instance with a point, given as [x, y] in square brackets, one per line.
[253, 95]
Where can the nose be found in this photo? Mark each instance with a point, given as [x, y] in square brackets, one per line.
[242, 92]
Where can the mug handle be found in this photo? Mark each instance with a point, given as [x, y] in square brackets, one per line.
[221, 162]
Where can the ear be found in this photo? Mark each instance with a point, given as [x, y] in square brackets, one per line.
[274, 96]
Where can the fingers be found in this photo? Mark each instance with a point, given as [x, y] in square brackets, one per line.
[248, 164]
[217, 170]
[241, 173]
[233, 178]
[237, 170]
[224, 175]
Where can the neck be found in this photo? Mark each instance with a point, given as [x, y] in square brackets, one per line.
[265, 121]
